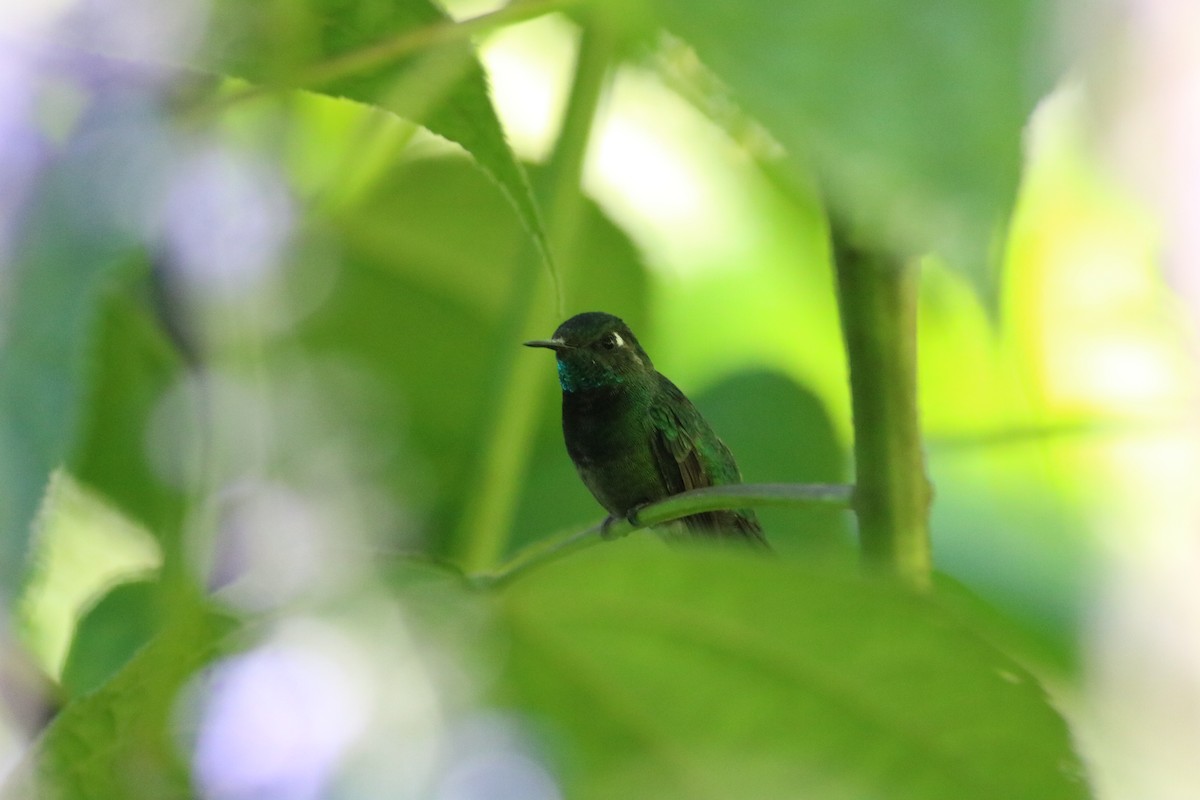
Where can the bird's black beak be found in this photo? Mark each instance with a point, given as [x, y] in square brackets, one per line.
[549, 344]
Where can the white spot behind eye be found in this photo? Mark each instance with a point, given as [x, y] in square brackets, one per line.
[617, 340]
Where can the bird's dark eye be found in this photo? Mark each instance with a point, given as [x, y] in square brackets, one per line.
[611, 341]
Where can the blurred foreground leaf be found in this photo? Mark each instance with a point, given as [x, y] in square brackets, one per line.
[909, 111]
[116, 742]
[70, 249]
[134, 365]
[109, 634]
[697, 673]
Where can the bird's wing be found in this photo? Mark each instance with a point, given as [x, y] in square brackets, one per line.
[678, 431]
[674, 448]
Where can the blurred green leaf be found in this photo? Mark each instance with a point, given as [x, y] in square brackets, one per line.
[781, 433]
[109, 633]
[1002, 525]
[712, 673]
[134, 364]
[415, 311]
[116, 741]
[909, 111]
[70, 249]
[380, 52]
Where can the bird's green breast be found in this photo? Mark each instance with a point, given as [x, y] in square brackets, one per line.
[607, 433]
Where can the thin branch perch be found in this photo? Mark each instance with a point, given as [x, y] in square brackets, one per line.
[713, 498]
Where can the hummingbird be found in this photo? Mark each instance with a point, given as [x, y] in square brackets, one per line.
[633, 436]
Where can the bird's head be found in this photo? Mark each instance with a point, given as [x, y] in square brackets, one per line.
[596, 350]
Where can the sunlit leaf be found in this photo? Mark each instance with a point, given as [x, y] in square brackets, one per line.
[380, 52]
[692, 673]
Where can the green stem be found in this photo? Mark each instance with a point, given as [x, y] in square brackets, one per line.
[713, 498]
[483, 534]
[565, 166]
[877, 297]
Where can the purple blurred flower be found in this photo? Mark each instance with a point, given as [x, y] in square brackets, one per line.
[228, 220]
[276, 722]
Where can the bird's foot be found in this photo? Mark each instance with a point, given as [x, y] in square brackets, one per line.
[606, 532]
[631, 516]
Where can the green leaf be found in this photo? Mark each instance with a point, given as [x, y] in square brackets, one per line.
[698, 672]
[910, 111]
[70, 248]
[380, 52]
[413, 319]
[116, 741]
[134, 365]
[109, 634]
[780, 432]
